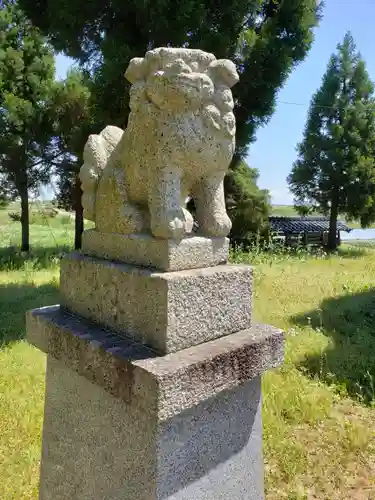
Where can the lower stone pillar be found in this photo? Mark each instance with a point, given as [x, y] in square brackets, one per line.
[122, 422]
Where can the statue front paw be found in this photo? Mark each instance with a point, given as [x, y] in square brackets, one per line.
[175, 225]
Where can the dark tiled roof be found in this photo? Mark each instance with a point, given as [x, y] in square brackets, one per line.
[303, 224]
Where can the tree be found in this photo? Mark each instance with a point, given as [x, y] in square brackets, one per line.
[266, 39]
[247, 205]
[335, 167]
[8, 192]
[26, 79]
[73, 124]
[304, 210]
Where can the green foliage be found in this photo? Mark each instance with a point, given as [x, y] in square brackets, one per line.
[74, 123]
[335, 168]
[26, 80]
[247, 205]
[265, 38]
[304, 210]
[43, 123]
[65, 195]
[6, 195]
[3, 203]
[73, 118]
[41, 216]
[14, 216]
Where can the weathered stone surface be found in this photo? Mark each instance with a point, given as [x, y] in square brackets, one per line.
[96, 446]
[96, 152]
[165, 255]
[213, 451]
[179, 141]
[167, 311]
[136, 374]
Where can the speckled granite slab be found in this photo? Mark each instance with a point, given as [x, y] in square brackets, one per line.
[168, 311]
[173, 382]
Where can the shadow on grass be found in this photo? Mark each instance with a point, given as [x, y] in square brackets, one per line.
[349, 362]
[12, 259]
[15, 300]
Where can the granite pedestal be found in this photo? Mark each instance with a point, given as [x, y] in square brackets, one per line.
[168, 311]
[166, 255]
[153, 386]
[123, 422]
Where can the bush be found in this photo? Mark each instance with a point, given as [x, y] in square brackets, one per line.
[39, 217]
[14, 216]
[48, 213]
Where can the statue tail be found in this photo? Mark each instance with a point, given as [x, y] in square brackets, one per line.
[96, 153]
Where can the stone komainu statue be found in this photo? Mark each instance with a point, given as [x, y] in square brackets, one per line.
[179, 142]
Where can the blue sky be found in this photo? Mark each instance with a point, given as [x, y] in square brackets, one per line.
[274, 151]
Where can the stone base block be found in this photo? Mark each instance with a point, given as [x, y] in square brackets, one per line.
[122, 423]
[167, 311]
[146, 251]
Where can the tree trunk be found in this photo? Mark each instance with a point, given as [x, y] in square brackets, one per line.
[332, 233]
[79, 215]
[25, 240]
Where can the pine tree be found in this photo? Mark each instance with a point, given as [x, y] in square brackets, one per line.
[43, 123]
[73, 124]
[26, 80]
[335, 167]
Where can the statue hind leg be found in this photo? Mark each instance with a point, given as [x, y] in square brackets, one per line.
[211, 212]
[114, 212]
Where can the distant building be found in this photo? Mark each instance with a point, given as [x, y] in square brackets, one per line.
[304, 230]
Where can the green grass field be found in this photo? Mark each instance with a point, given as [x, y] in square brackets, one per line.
[318, 408]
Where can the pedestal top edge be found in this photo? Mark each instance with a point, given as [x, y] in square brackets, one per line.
[174, 381]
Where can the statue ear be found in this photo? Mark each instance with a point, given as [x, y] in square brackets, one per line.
[224, 71]
[136, 70]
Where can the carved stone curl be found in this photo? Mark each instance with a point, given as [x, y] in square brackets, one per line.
[178, 143]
